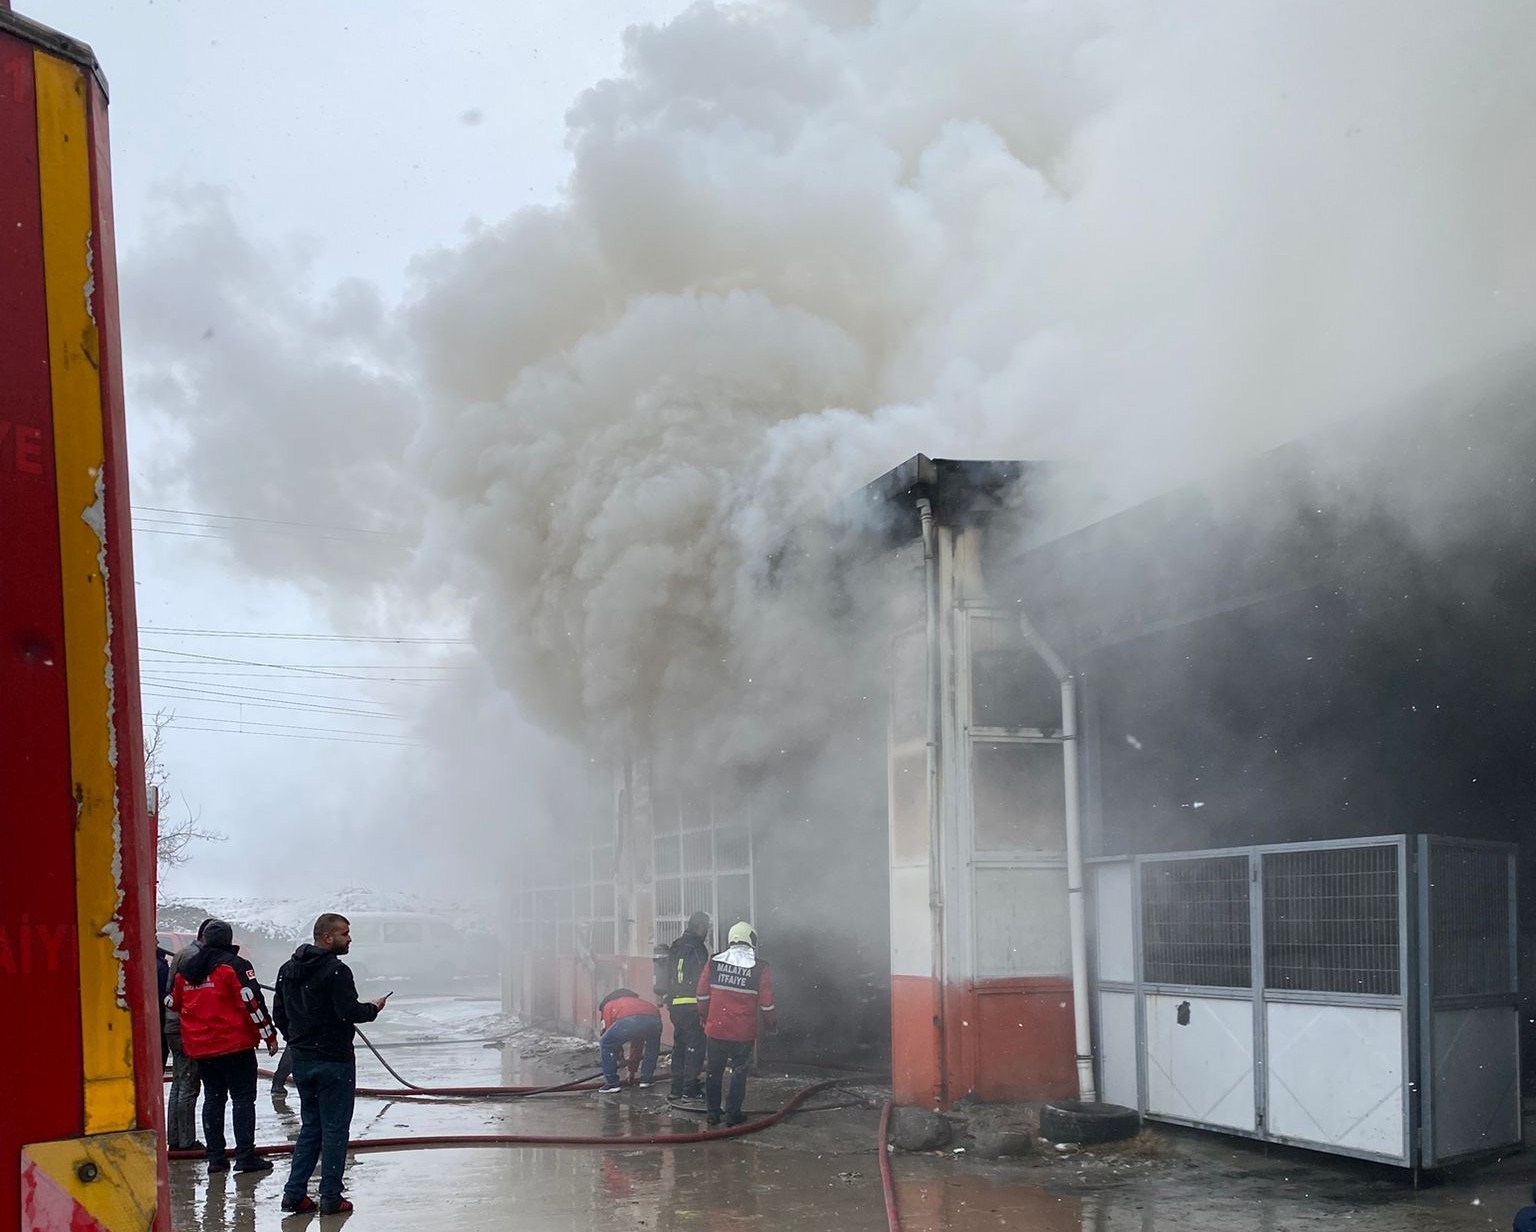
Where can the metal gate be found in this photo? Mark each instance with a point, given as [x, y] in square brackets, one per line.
[1469, 1023]
[1296, 993]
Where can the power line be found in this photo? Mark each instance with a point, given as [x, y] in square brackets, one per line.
[173, 679]
[230, 731]
[219, 697]
[214, 675]
[197, 532]
[295, 667]
[297, 727]
[235, 517]
[305, 637]
[148, 652]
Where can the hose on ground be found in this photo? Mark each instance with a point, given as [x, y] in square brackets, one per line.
[451, 1141]
[887, 1181]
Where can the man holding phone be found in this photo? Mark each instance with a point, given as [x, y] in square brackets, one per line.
[317, 1010]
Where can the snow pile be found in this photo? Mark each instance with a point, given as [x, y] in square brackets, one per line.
[289, 920]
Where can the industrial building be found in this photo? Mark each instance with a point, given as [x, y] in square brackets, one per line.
[1332, 642]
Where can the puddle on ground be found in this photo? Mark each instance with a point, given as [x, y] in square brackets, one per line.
[816, 1173]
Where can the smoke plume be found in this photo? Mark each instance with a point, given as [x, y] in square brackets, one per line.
[801, 242]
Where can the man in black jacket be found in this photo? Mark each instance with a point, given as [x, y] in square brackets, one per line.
[316, 1009]
[687, 957]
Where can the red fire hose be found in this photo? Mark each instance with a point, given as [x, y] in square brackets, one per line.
[447, 1141]
[887, 1181]
[610, 1140]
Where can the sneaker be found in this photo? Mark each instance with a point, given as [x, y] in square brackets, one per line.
[254, 1164]
[693, 1093]
[299, 1206]
[713, 1120]
[334, 1206]
[731, 1122]
[645, 1086]
[218, 1165]
[611, 1088]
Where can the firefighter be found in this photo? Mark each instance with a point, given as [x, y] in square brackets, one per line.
[223, 1018]
[686, 960]
[732, 988]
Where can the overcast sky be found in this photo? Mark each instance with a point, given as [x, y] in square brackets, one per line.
[354, 135]
[402, 363]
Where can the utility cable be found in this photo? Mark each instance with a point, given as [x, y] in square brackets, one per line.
[235, 517]
[409, 640]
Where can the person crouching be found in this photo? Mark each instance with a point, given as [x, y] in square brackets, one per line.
[630, 1020]
[733, 987]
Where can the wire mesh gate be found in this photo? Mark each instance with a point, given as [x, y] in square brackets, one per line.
[1309, 993]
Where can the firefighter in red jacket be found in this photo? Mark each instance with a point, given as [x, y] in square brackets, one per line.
[223, 1018]
[733, 987]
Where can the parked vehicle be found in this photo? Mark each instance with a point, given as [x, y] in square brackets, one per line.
[407, 946]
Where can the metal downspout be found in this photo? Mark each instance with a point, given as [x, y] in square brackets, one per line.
[935, 837]
[1076, 915]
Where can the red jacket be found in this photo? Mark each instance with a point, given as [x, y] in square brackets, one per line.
[732, 988]
[224, 1013]
[616, 1007]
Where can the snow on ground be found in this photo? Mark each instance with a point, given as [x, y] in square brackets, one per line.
[288, 920]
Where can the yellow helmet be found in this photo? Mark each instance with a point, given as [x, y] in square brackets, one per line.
[742, 934]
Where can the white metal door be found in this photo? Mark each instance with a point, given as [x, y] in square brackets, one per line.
[1200, 1060]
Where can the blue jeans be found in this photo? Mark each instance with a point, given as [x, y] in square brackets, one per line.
[644, 1029]
[720, 1054]
[327, 1090]
[231, 1079]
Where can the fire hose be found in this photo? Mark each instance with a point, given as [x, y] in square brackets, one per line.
[436, 1141]
[887, 1181]
[411, 1090]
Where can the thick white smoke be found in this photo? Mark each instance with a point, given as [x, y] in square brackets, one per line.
[804, 242]
[801, 242]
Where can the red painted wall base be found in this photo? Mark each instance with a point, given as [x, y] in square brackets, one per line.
[1004, 1040]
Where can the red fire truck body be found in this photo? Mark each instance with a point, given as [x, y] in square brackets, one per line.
[81, 1118]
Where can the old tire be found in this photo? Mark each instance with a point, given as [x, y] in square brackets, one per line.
[1071, 1120]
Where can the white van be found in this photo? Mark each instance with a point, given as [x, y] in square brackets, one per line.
[407, 946]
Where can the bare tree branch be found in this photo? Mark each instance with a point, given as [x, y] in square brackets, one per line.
[176, 834]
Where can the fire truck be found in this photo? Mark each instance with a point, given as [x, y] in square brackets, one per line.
[81, 1112]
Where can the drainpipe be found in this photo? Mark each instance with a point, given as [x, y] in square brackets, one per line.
[935, 836]
[1076, 916]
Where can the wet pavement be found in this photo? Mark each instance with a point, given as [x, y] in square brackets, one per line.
[817, 1170]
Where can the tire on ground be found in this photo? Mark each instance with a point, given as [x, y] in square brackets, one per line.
[1071, 1120]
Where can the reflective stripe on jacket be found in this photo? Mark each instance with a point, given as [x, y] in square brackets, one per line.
[733, 987]
[225, 1013]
